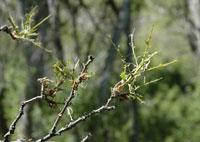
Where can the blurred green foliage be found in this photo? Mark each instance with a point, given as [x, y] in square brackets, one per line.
[171, 109]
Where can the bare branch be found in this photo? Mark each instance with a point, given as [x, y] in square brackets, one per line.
[72, 124]
[8, 30]
[80, 78]
[21, 112]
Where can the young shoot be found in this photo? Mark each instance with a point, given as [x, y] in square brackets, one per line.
[133, 75]
[28, 31]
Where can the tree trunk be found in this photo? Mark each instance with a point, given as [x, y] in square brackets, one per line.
[121, 25]
[135, 135]
[3, 122]
[54, 10]
[134, 106]
[193, 19]
[74, 9]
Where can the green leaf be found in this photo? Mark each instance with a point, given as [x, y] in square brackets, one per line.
[33, 29]
[162, 65]
[12, 22]
[123, 75]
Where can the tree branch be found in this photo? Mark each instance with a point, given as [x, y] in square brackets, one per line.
[76, 83]
[21, 112]
[74, 123]
[8, 30]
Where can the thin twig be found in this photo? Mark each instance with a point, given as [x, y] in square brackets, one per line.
[21, 112]
[67, 103]
[86, 137]
[82, 118]
[8, 30]
[72, 94]
[53, 132]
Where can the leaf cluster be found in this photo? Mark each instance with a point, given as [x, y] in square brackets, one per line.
[28, 31]
[133, 76]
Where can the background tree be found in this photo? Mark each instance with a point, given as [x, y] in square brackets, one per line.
[79, 28]
[193, 19]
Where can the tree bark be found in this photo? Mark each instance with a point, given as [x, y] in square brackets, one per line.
[193, 19]
[122, 27]
[121, 24]
[73, 10]
[134, 106]
[3, 121]
[54, 10]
